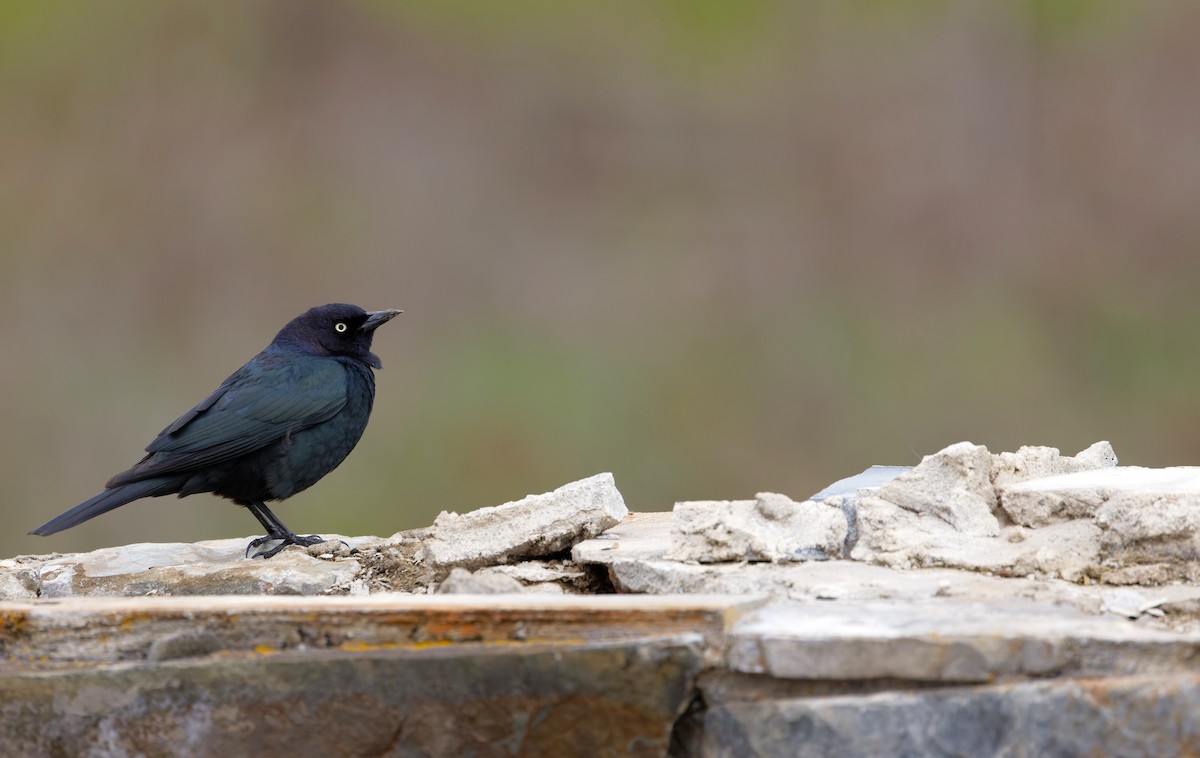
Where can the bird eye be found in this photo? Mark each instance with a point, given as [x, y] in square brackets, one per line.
[340, 327]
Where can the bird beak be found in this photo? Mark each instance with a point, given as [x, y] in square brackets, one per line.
[376, 319]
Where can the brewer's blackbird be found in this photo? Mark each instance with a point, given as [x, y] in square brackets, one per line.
[273, 428]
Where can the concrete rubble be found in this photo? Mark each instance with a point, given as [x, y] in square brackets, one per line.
[1050, 603]
[534, 526]
[771, 527]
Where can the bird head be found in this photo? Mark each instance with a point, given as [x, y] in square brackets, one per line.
[336, 329]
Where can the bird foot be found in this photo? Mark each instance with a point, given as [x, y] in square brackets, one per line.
[284, 541]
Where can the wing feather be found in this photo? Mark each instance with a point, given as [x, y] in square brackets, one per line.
[270, 397]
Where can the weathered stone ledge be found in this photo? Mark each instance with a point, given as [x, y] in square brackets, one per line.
[975, 604]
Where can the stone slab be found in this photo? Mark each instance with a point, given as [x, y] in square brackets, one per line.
[535, 526]
[606, 698]
[211, 567]
[633, 554]
[78, 631]
[1155, 715]
[1108, 491]
[939, 641]
[772, 527]
[871, 478]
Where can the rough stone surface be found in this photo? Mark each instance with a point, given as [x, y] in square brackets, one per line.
[892, 536]
[936, 641]
[215, 567]
[463, 582]
[633, 554]
[534, 526]
[771, 527]
[1033, 462]
[1148, 520]
[620, 698]
[954, 485]
[943, 635]
[1125, 716]
[551, 577]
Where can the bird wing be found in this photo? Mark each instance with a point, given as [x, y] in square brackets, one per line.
[264, 401]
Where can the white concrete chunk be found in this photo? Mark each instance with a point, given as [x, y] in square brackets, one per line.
[946, 642]
[1121, 491]
[955, 485]
[771, 527]
[534, 526]
[1033, 462]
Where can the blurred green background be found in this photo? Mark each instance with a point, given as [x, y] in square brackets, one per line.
[713, 247]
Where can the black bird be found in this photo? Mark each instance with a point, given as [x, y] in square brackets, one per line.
[273, 428]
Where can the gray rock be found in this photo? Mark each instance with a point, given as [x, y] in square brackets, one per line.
[933, 640]
[531, 699]
[771, 527]
[1148, 520]
[954, 485]
[463, 582]
[632, 553]
[215, 567]
[553, 578]
[18, 579]
[187, 644]
[893, 536]
[534, 526]
[1125, 716]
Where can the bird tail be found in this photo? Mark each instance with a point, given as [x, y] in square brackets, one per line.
[106, 501]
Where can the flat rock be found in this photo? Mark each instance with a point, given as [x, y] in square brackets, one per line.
[534, 526]
[528, 699]
[463, 582]
[633, 554]
[1155, 715]
[771, 527]
[954, 485]
[896, 537]
[937, 641]
[1148, 519]
[1126, 489]
[214, 567]
[872, 478]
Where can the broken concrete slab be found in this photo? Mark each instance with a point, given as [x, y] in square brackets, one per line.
[936, 641]
[1148, 519]
[537, 525]
[872, 478]
[214, 567]
[82, 630]
[771, 527]
[954, 485]
[1035, 461]
[550, 576]
[543, 699]
[1155, 715]
[1131, 490]
[896, 537]
[633, 554]
[463, 582]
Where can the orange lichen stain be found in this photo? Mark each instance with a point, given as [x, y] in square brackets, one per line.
[363, 647]
[12, 623]
[265, 649]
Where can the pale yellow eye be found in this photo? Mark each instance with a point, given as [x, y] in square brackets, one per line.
[340, 327]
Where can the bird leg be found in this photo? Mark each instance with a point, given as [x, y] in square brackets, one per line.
[275, 531]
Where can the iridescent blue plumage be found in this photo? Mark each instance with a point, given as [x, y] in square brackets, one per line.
[273, 428]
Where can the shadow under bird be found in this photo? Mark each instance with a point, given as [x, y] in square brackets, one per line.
[273, 428]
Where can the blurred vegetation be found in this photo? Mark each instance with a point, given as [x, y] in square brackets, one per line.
[712, 247]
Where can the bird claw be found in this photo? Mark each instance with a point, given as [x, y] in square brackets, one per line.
[284, 541]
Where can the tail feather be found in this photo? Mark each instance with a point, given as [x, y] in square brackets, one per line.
[106, 501]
